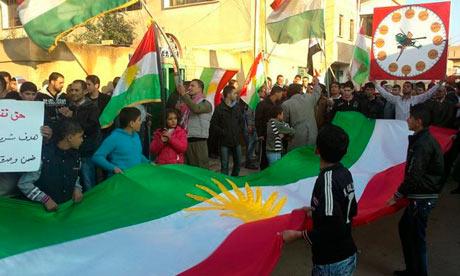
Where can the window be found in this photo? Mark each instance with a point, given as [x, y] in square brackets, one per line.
[367, 24]
[340, 25]
[10, 16]
[352, 30]
[178, 3]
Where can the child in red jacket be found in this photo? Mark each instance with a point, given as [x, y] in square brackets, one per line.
[169, 144]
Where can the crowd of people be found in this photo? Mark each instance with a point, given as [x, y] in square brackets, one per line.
[78, 153]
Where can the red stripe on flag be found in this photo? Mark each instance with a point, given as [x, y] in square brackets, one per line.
[382, 186]
[228, 75]
[255, 248]
[251, 249]
[251, 75]
[146, 46]
[277, 4]
[19, 2]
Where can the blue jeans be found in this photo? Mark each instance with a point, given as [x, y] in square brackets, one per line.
[88, 173]
[224, 159]
[273, 156]
[342, 268]
[412, 232]
[250, 140]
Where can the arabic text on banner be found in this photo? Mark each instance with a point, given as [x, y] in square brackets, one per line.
[20, 138]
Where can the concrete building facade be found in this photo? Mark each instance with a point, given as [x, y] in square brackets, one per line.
[206, 33]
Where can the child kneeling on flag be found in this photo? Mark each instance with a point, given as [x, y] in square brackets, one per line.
[57, 179]
[122, 149]
[170, 143]
[333, 206]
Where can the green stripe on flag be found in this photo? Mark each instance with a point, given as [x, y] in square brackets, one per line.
[206, 77]
[141, 90]
[46, 28]
[298, 27]
[361, 57]
[147, 192]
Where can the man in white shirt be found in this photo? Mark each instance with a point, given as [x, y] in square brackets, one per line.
[403, 103]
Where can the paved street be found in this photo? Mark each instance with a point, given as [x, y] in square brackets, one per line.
[380, 250]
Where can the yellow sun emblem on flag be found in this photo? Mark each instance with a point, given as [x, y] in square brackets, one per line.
[240, 205]
[131, 74]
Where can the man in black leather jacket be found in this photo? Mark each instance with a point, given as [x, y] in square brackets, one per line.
[422, 185]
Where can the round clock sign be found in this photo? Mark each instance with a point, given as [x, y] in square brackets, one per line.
[409, 41]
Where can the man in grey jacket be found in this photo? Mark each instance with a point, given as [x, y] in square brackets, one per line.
[299, 113]
[197, 112]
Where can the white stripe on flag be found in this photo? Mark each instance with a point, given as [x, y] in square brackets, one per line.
[144, 68]
[146, 249]
[31, 9]
[292, 8]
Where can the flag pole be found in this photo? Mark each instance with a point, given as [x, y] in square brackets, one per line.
[177, 77]
[160, 75]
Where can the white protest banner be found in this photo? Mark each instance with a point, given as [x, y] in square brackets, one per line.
[20, 138]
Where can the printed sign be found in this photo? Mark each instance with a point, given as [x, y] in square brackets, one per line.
[20, 138]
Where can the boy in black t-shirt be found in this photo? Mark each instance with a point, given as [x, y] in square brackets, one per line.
[333, 206]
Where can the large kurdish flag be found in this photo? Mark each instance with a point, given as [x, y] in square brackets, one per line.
[156, 220]
[46, 21]
[294, 20]
[215, 80]
[140, 83]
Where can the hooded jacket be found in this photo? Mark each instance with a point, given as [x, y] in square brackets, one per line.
[171, 152]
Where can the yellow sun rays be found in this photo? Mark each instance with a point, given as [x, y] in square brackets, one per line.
[245, 205]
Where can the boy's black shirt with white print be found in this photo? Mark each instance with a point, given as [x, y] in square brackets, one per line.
[333, 206]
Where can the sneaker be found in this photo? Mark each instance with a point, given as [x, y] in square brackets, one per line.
[456, 191]
[401, 273]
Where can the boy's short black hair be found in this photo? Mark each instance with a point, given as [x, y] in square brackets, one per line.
[28, 86]
[420, 84]
[83, 84]
[294, 88]
[276, 89]
[54, 76]
[397, 86]
[275, 111]
[200, 83]
[334, 82]
[173, 111]
[369, 85]
[420, 112]
[349, 84]
[297, 76]
[4, 74]
[65, 128]
[2, 84]
[411, 84]
[94, 79]
[128, 115]
[332, 143]
[227, 90]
